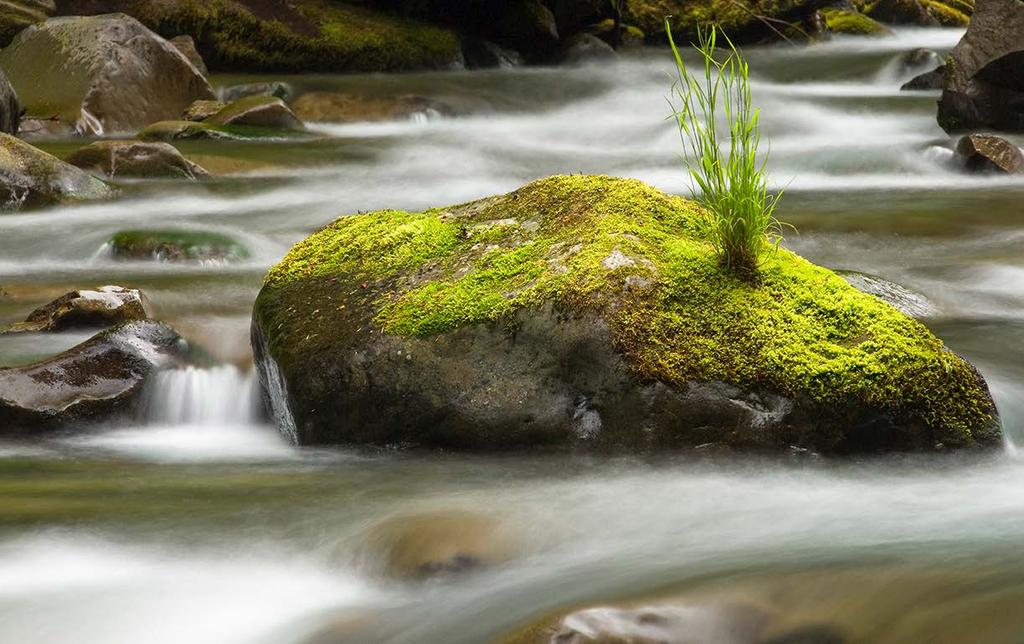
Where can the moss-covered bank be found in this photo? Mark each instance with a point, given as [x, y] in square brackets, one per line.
[298, 36]
[640, 261]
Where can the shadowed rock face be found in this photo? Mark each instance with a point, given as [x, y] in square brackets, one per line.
[102, 307]
[101, 74]
[97, 381]
[985, 72]
[10, 109]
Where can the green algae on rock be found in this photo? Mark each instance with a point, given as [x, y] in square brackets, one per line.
[591, 311]
[176, 245]
[198, 130]
[839, 21]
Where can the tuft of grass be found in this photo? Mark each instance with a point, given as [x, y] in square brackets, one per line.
[726, 176]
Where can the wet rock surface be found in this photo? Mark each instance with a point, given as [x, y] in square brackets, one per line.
[32, 178]
[138, 159]
[100, 380]
[984, 83]
[989, 154]
[86, 308]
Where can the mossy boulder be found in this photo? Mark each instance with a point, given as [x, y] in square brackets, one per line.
[139, 159]
[176, 246]
[16, 15]
[899, 12]
[100, 380]
[839, 21]
[10, 108]
[743, 20]
[290, 35]
[101, 74]
[592, 312]
[32, 178]
[86, 308]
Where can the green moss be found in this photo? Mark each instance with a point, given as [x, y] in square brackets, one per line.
[311, 36]
[741, 19]
[176, 245]
[947, 15]
[852, 22]
[15, 16]
[642, 260]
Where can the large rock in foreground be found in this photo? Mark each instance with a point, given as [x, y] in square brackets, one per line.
[985, 72]
[31, 178]
[100, 379]
[592, 312]
[101, 74]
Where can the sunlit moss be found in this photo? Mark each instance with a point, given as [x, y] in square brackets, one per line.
[642, 260]
[851, 22]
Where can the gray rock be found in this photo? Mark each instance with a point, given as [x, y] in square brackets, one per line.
[989, 154]
[10, 109]
[100, 380]
[276, 89]
[910, 302]
[587, 48]
[901, 12]
[984, 82]
[484, 54]
[257, 111]
[933, 80]
[141, 159]
[101, 307]
[101, 74]
[32, 178]
[187, 47]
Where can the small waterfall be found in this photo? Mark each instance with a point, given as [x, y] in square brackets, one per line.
[221, 395]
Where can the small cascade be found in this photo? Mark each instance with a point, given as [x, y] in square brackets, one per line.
[221, 395]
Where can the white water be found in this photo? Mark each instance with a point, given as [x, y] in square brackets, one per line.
[196, 414]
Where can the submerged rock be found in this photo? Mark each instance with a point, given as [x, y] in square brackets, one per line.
[591, 312]
[984, 80]
[430, 544]
[175, 246]
[101, 307]
[97, 381]
[337, 107]
[205, 130]
[101, 74]
[989, 154]
[135, 159]
[31, 178]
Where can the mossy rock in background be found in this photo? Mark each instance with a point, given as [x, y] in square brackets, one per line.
[15, 15]
[256, 111]
[176, 246]
[592, 312]
[296, 36]
[199, 130]
[852, 23]
[743, 20]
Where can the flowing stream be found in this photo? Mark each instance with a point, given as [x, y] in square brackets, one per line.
[200, 523]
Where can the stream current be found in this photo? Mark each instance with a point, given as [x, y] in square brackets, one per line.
[201, 524]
